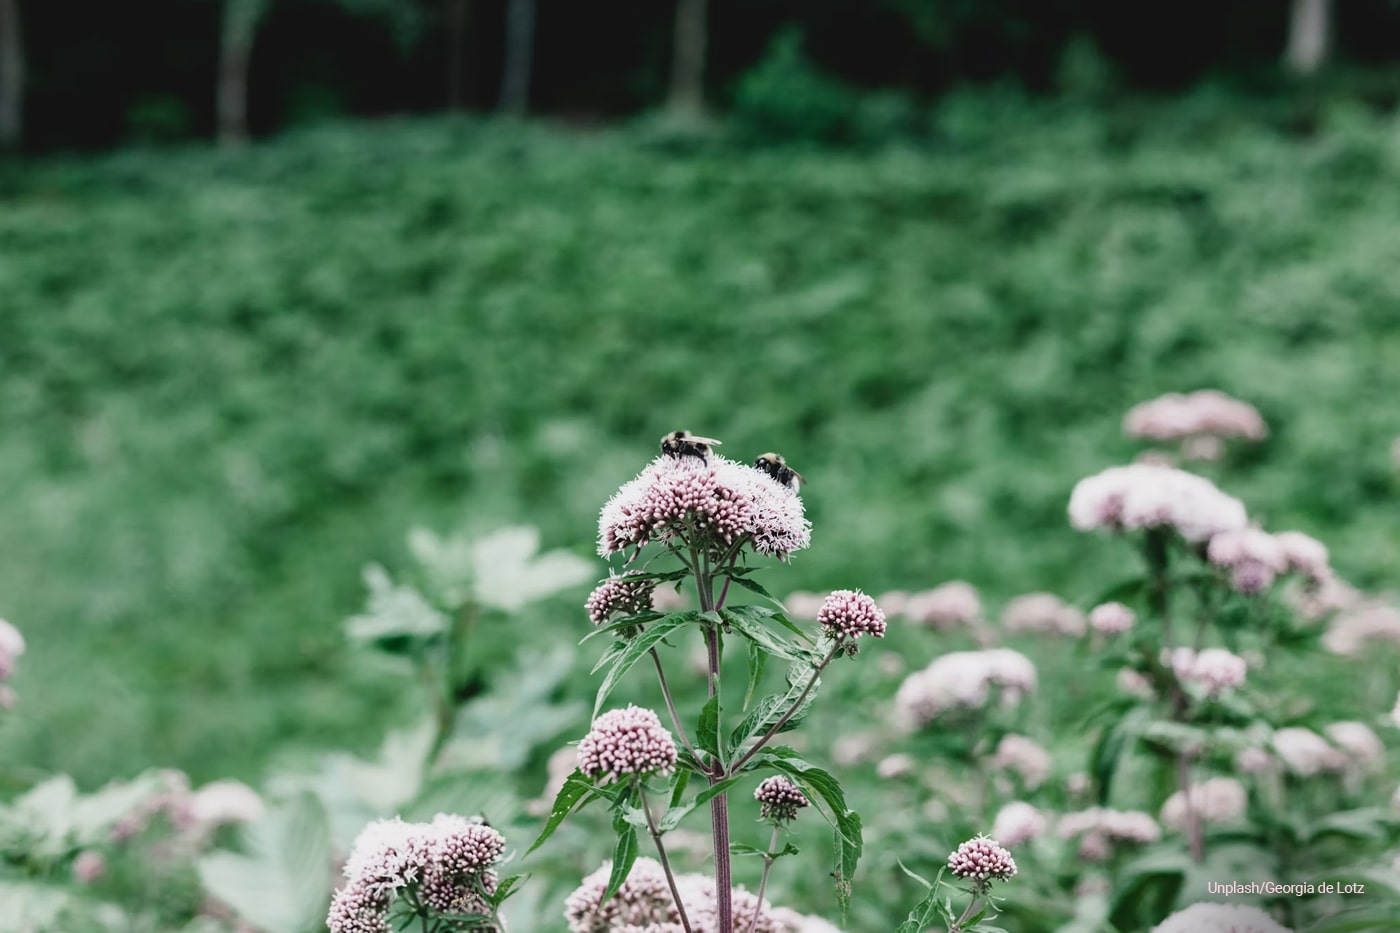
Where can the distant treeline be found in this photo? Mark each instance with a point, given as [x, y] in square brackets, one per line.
[77, 73]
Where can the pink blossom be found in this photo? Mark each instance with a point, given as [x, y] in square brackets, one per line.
[1206, 413]
[1023, 756]
[1111, 618]
[1305, 554]
[982, 860]
[358, 908]
[1141, 496]
[943, 607]
[1215, 670]
[626, 742]
[89, 866]
[226, 802]
[1018, 823]
[849, 614]
[1042, 612]
[1361, 746]
[1353, 630]
[1306, 753]
[623, 595]
[1220, 918]
[780, 799]
[1217, 800]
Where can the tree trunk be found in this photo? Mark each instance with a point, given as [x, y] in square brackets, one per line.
[1309, 37]
[11, 76]
[520, 46]
[457, 14]
[687, 96]
[240, 27]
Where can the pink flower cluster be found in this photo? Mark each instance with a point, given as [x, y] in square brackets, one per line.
[1253, 556]
[982, 861]
[1361, 746]
[1220, 918]
[849, 614]
[714, 504]
[11, 647]
[1111, 618]
[626, 742]
[1099, 830]
[1141, 495]
[1018, 823]
[1216, 800]
[1215, 670]
[644, 905]
[1305, 753]
[779, 799]
[1206, 413]
[448, 862]
[1353, 630]
[949, 605]
[623, 595]
[1024, 757]
[962, 681]
[1042, 612]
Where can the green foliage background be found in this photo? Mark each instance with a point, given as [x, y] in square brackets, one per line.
[227, 381]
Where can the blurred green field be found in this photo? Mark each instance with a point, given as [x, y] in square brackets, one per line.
[229, 380]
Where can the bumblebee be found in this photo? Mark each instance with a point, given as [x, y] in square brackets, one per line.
[775, 466]
[680, 444]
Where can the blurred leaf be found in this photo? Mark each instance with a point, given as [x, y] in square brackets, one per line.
[283, 882]
[507, 573]
[394, 611]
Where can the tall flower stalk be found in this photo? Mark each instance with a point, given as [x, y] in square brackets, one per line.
[702, 518]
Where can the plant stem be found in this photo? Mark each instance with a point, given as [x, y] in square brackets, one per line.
[1159, 595]
[671, 705]
[957, 924]
[719, 804]
[773, 729]
[763, 882]
[665, 862]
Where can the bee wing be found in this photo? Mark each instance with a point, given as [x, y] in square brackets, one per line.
[798, 476]
[695, 439]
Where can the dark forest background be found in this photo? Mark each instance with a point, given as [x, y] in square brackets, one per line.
[90, 75]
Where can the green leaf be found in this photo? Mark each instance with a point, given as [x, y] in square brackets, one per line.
[748, 622]
[283, 883]
[848, 840]
[624, 856]
[637, 648]
[753, 587]
[678, 790]
[625, 622]
[1112, 744]
[771, 708]
[714, 790]
[758, 660]
[924, 915]
[707, 734]
[576, 788]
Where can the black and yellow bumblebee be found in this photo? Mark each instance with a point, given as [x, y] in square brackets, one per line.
[680, 444]
[775, 466]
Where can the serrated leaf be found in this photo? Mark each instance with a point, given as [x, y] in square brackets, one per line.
[625, 622]
[508, 573]
[754, 587]
[283, 882]
[637, 648]
[27, 906]
[748, 621]
[678, 788]
[576, 788]
[771, 708]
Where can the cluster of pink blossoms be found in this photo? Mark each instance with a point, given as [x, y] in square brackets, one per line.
[1214, 670]
[11, 647]
[624, 743]
[1018, 823]
[1358, 627]
[779, 799]
[1220, 918]
[949, 605]
[849, 614]
[1101, 830]
[1194, 417]
[1111, 619]
[644, 905]
[982, 861]
[448, 862]
[1215, 800]
[716, 504]
[624, 595]
[1142, 496]
[1042, 612]
[1305, 753]
[962, 681]
[1024, 757]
